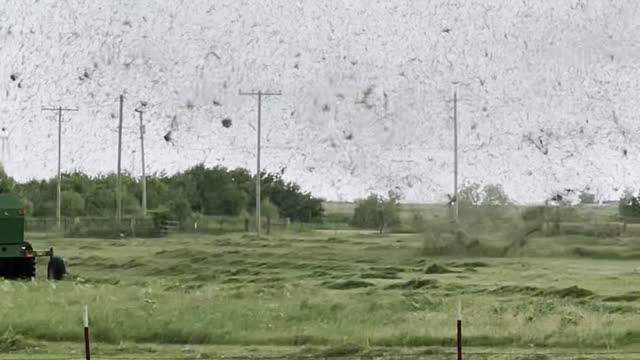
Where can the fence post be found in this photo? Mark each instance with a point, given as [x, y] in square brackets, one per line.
[85, 322]
[459, 323]
[268, 225]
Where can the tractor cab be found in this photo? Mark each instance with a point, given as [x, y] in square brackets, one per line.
[17, 257]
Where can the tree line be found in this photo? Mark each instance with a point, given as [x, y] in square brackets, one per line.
[198, 190]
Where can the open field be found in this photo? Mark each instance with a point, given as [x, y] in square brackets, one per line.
[335, 293]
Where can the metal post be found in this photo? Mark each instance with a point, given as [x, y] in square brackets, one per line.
[144, 178]
[258, 173]
[455, 152]
[59, 110]
[59, 185]
[258, 166]
[119, 181]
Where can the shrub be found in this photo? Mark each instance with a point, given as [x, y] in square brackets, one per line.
[377, 212]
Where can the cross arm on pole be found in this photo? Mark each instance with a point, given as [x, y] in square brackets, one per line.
[59, 108]
[260, 92]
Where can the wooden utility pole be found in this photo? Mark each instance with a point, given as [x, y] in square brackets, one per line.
[258, 170]
[59, 109]
[119, 180]
[144, 177]
[455, 152]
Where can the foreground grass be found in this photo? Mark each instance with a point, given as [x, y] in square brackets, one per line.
[313, 290]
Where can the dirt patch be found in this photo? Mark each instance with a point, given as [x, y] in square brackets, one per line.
[341, 351]
[347, 284]
[10, 341]
[438, 269]
[470, 264]
[629, 297]
[574, 292]
[380, 275]
[414, 284]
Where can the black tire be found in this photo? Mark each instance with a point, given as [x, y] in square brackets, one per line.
[18, 268]
[27, 268]
[56, 269]
[6, 266]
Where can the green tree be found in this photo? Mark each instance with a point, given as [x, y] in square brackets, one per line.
[587, 198]
[377, 212]
[72, 204]
[629, 206]
[268, 209]
[494, 195]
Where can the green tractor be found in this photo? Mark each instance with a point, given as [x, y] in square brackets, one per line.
[17, 257]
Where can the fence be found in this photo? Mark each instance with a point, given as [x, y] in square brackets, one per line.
[444, 353]
[108, 227]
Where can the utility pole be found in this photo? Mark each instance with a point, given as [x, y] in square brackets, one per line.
[59, 190]
[258, 171]
[455, 152]
[144, 178]
[4, 138]
[119, 180]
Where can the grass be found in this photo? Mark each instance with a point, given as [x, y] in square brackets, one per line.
[344, 293]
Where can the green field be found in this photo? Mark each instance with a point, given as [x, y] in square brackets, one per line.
[327, 293]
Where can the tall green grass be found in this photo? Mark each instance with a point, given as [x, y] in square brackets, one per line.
[318, 290]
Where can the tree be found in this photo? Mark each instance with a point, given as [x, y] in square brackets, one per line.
[629, 205]
[493, 195]
[489, 195]
[377, 212]
[72, 204]
[210, 191]
[7, 184]
[587, 198]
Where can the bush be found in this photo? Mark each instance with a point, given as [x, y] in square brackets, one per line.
[376, 212]
[72, 204]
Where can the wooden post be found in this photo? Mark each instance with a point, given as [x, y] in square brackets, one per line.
[85, 321]
[268, 225]
[459, 340]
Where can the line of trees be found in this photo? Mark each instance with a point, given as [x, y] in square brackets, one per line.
[200, 189]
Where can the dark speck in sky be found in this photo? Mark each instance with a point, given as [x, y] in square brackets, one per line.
[226, 123]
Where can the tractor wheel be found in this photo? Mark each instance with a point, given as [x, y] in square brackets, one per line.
[6, 268]
[56, 269]
[26, 268]
[18, 268]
